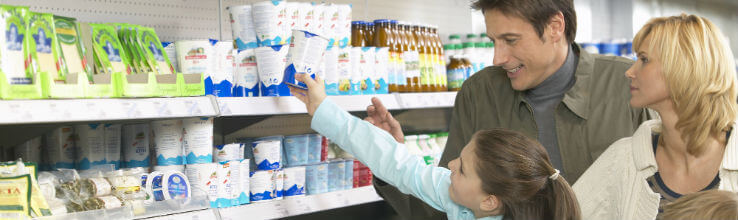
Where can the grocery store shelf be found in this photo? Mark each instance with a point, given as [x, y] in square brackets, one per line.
[301, 205]
[77, 110]
[245, 106]
[426, 100]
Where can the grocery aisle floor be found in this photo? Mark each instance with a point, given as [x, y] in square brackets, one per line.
[369, 211]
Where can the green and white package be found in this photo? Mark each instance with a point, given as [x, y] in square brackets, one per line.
[13, 45]
[42, 44]
[140, 53]
[70, 47]
[154, 50]
[108, 49]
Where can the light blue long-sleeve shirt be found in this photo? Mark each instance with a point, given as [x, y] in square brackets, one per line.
[389, 160]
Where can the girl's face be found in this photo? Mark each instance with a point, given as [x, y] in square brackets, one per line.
[466, 186]
[648, 86]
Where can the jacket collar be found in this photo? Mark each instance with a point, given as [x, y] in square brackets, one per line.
[577, 98]
[643, 154]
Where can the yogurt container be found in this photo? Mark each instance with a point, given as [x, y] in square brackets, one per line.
[315, 142]
[198, 140]
[90, 145]
[304, 56]
[270, 22]
[316, 178]
[113, 134]
[168, 142]
[228, 152]
[272, 60]
[204, 178]
[278, 184]
[267, 154]
[336, 172]
[196, 56]
[242, 26]
[135, 145]
[330, 64]
[170, 185]
[261, 186]
[244, 175]
[246, 74]
[61, 148]
[294, 181]
[220, 81]
[348, 174]
[225, 185]
[296, 150]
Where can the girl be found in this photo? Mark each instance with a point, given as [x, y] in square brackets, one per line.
[500, 174]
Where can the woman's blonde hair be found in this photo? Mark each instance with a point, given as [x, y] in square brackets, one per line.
[706, 205]
[700, 74]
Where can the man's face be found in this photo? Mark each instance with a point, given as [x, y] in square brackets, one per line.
[527, 58]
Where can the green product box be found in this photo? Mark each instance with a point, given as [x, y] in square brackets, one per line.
[113, 60]
[102, 84]
[47, 61]
[17, 80]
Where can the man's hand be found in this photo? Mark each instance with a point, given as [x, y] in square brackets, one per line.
[313, 96]
[380, 117]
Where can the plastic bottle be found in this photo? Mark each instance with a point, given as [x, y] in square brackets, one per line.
[454, 39]
[480, 55]
[469, 54]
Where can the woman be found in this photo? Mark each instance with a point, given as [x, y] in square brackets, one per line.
[685, 72]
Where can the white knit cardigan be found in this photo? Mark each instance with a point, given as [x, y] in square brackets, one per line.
[615, 186]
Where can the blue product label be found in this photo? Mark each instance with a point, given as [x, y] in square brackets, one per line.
[348, 174]
[331, 89]
[85, 164]
[245, 45]
[244, 198]
[275, 90]
[382, 87]
[266, 195]
[177, 187]
[278, 193]
[456, 78]
[266, 165]
[136, 163]
[294, 190]
[156, 187]
[164, 161]
[63, 165]
[240, 91]
[192, 159]
[143, 180]
[367, 88]
[355, 88]
[223, 203]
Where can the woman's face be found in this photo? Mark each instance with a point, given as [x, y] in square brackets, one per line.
[466, 186]
[648, 85]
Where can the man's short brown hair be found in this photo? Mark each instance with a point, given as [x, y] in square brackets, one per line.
[536, 12]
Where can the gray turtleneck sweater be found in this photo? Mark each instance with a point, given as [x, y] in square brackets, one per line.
[544, 99]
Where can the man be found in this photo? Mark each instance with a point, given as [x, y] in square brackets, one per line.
[542, 84]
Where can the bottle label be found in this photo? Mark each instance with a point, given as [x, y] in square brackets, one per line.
[412, 64]
[456, 77]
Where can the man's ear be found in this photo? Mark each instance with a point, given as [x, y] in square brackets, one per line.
[490, 204]
[556, 27]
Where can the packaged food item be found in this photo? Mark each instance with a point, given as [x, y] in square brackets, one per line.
[204, 180]
[198, 140]
[336, 172]
[306, 13]
[304, 56]
[244, 175]
[222, 77]
[348, 174]
[315, 143]
[294, 181]
[18, 201]
[242, 25]
[344, 71]
[39, 207]
[113, 134]
[235, 193]
[318, 18]
[278, 179]
[13, 45]
[168, 142]
[103, 202]
[270, 22]
[228, 152]
[296, 150]
[261, 186]
[95, 187]
[171, 51]
[316, 180]
[246, 75]
[90, 145]
[343, 25]
[330, 64]
[43, 45]
[330, 23]
[292, 10]
[196, 56]
[136, 145]
[272, 61]
[108, 50]
[357, 77]
[154, 51]
[180, 168]
[366, 68]
[123, 183]
[267, 153]
[170, 185]
[30, 150]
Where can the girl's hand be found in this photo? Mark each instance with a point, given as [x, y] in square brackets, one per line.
[313, 96]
